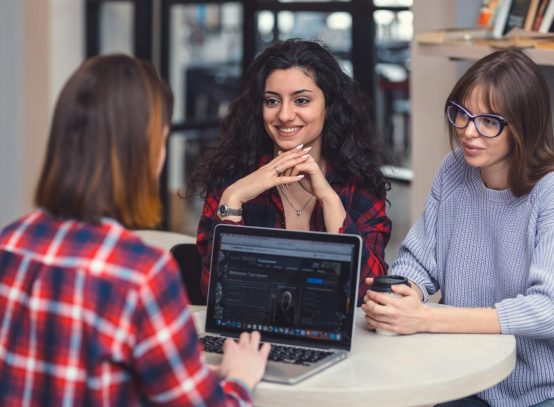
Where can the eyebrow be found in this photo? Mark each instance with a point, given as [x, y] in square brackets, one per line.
[297, 92]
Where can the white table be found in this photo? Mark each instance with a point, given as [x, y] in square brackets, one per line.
[162, 239]
[406, 370]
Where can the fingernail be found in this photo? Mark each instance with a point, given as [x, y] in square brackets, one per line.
[307, 149]
[300, 176]
[300, 146]
[304, 156]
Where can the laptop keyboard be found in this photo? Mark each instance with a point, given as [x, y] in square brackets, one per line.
[278, 353]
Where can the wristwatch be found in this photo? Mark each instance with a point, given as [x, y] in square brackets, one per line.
[224, 210]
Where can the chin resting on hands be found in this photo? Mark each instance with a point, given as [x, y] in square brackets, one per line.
[274, 173]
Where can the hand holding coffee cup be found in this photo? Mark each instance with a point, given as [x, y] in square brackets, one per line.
[383, 284]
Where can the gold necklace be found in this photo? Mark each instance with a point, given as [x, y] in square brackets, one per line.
[298, 211]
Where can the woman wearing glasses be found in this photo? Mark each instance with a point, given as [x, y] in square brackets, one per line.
[486, 237]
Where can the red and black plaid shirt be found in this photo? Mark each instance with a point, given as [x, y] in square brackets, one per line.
[365, 216]
[89, 315]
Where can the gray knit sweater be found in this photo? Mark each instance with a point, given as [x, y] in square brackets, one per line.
[487, 248]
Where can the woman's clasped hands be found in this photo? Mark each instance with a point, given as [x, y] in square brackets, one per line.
[288, 167]
[402, 313]
[313, 178]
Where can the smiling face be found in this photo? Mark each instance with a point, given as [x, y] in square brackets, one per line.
[294, 110]
[490, 155]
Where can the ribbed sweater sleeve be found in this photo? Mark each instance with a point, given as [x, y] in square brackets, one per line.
[532, 313]
[417, 258]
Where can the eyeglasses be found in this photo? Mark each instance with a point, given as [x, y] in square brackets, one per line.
[487, 125]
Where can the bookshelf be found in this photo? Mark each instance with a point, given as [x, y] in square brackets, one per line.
[470, 52]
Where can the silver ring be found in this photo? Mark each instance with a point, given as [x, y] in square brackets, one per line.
[277, 171]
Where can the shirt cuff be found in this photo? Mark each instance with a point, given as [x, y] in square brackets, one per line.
[244, 393]
[231, 222]
[348, 226]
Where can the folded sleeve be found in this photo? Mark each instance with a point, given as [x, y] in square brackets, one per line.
[204, 236]
[366, 216]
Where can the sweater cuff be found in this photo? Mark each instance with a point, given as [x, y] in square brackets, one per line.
[510, 316]
[415, 278]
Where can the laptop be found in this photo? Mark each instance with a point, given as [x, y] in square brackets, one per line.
[298, 289]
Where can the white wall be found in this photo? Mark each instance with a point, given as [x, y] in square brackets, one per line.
[67, 41]
[432, 77]
[41, 42]
[10, 107]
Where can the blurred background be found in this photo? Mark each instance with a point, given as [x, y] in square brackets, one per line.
[202, 49]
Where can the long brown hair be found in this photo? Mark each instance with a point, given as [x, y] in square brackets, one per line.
[515, 88]
[105, 142]
[349, 141]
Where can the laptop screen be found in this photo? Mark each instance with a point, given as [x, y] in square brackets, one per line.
[294, 287]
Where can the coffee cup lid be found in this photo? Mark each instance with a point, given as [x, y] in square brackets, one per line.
[384, 283]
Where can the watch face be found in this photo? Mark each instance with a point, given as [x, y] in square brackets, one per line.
[223, 210]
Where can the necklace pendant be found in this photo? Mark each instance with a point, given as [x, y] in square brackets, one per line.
[298, 212]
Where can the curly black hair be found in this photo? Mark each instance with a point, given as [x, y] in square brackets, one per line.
[349, 142]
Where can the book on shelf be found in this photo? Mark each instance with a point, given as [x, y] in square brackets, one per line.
[518, 13]
[531, 13]
[501, 18]
[486, 13]
[511, 14]
[540, 14]
[548, 18]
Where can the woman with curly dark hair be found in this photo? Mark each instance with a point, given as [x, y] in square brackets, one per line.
[297, 151]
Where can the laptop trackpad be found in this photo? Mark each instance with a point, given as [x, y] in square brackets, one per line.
[275, 371]
[278, 372]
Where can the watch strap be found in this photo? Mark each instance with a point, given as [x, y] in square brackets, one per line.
[225, 210]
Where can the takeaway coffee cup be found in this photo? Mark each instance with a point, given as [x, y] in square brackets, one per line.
[383, 284]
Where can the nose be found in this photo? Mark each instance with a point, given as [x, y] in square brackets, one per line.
[471, 131]
[287, 112]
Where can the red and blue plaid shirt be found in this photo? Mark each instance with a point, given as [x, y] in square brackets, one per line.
[89, 315]
[365, 216]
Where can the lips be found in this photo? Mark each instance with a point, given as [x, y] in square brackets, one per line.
[288, 131]
[471, 148]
